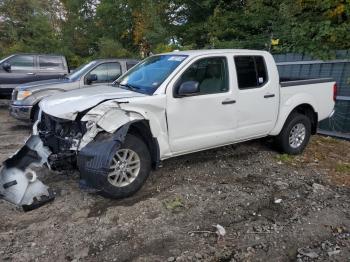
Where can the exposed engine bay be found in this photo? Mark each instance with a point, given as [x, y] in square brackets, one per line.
[85, 130]
[63, 138]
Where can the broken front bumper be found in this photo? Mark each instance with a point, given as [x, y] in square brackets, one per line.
[19, 184]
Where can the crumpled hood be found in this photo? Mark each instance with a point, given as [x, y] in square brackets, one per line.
[33, 86]
[67, 105]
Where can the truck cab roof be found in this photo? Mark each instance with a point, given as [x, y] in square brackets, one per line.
[214, 51]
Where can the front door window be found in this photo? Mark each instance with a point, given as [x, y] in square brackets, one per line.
[210, 73]
[105, 73]
[22, 62]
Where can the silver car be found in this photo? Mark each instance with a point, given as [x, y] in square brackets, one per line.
[26, 97]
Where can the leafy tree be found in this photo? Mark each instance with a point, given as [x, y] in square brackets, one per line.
[148, 20]
[113, 21]
[246, 24]
[109, 48]
[77, 29]
[26, 26]
[189, 21]
[317, 28]
[86, 29]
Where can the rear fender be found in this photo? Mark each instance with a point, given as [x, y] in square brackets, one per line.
[288, 106]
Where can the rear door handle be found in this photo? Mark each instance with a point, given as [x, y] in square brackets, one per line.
[227, 102]
[30, 74]
[269, 95]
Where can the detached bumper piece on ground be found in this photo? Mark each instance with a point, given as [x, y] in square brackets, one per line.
[19, 184]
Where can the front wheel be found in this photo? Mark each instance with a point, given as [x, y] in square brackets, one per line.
[130, 166]
[295, 134]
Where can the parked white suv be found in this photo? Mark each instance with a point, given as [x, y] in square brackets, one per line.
[174, 104]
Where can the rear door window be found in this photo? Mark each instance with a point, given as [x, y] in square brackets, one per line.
[50, 62]
[22, 62]
[251, 71]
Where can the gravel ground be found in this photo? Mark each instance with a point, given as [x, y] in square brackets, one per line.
[273, 208]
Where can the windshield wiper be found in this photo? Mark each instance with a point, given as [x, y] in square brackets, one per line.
[128, 86]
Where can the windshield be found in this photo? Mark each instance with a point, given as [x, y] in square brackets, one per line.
[80, 71]
[148, 75]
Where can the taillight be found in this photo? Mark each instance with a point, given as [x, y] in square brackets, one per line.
[335, 92]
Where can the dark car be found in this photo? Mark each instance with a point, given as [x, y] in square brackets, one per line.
[23, 68]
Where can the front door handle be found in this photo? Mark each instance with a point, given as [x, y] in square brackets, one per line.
[30, 74]
[269, 95]
[227, 102]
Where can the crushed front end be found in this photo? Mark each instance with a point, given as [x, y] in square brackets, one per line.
[63, 137]
[84, 141]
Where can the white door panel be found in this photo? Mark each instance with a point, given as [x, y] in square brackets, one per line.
[205, 120]
[200, 122]
[256, 113]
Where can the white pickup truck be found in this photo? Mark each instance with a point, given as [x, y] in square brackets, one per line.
[169, 105]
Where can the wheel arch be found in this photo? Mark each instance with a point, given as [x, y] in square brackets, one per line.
[304, 108]
[309, 111]
[141, 128]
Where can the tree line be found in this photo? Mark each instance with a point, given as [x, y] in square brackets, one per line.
[87, 29]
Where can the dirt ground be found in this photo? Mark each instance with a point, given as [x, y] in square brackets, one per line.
[273, 208]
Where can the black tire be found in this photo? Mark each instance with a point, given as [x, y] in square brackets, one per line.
[282, 140]
[138, 146]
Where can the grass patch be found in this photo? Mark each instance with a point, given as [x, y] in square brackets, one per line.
[285, 158]
[328, 140]
[174, 204]
[343, 168]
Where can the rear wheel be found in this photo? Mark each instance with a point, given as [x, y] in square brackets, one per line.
[130, 166]
[295, 134]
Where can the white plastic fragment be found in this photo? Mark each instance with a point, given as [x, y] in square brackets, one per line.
[19, 185]
[278, 201]
[308, 252]
[220, 230]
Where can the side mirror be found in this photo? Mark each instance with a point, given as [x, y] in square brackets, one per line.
[6, 66]
[188, 88]
[91, 78]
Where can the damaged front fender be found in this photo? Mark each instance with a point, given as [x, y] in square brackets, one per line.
[107, 117]
[19, 184]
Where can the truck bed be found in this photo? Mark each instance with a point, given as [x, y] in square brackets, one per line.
[284, 82]
[317, 92]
